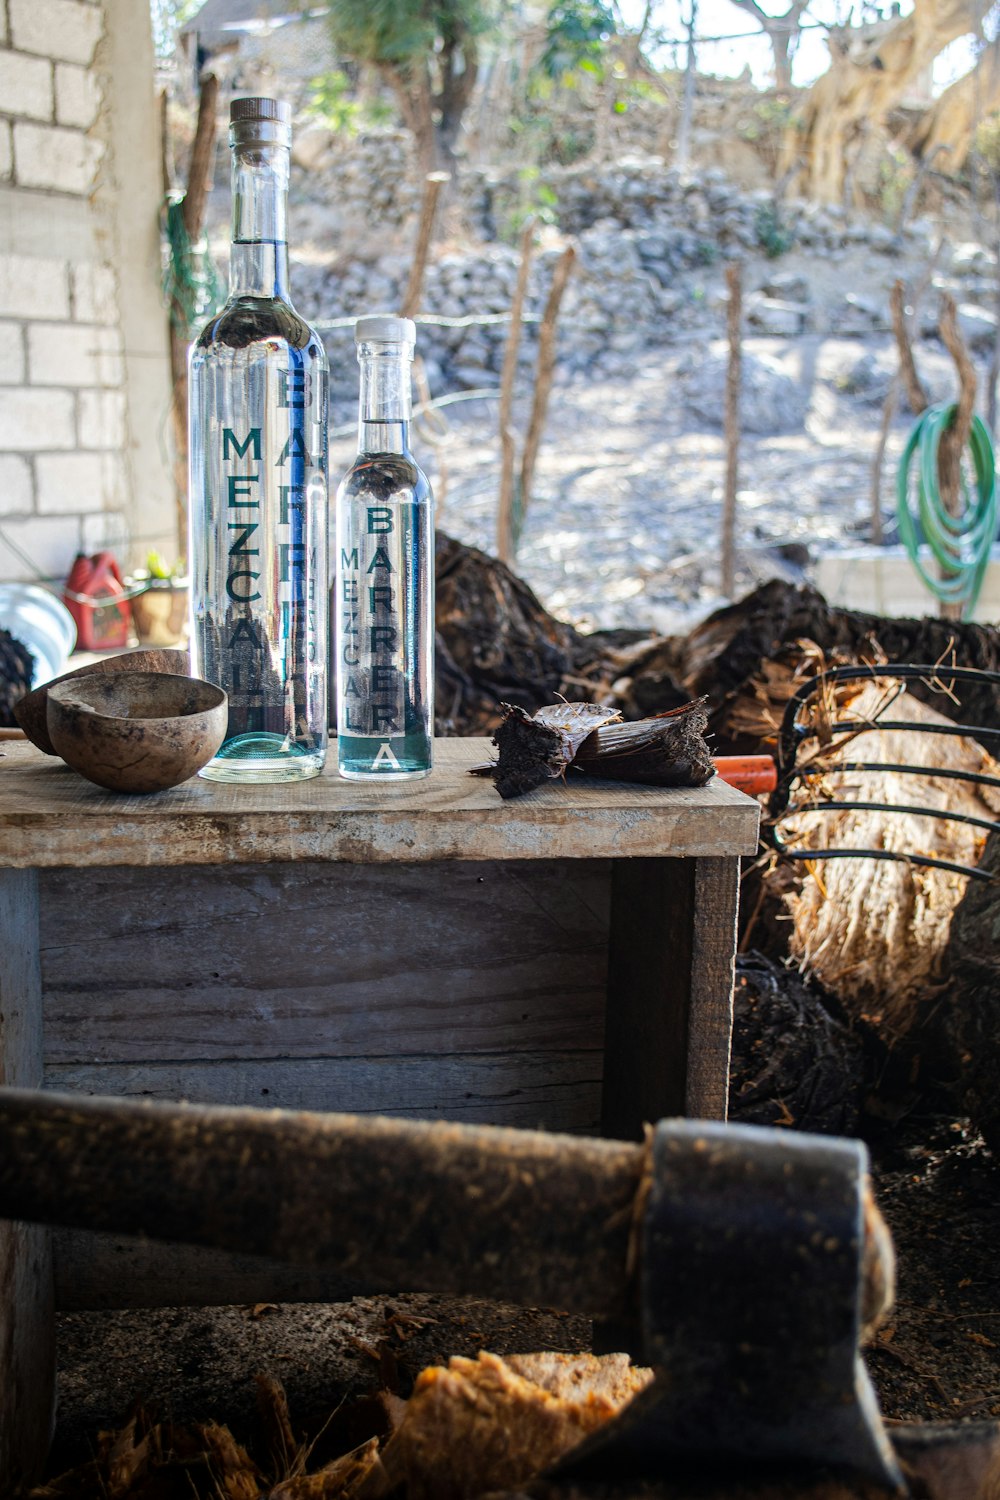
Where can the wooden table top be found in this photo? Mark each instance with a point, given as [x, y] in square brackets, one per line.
[51, 817]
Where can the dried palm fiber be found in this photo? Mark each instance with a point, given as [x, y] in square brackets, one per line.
[482, 1424]
[873, 932]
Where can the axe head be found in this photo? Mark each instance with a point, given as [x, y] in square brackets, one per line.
[751, 1290]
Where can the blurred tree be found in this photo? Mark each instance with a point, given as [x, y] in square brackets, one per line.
[782, 32]
[428, 53]
[870, 71]
[945, 133]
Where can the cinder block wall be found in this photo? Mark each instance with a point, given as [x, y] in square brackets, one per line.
[84, 375]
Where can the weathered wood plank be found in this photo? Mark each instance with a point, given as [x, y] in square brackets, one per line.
[304, 961]
[710, 1017]
[27, 1326]
[100, 1272]
[50, 817]
[557, 1091]
[670, 980]
[560, 1093]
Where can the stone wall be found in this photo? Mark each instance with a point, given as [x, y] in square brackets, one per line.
[83, 372]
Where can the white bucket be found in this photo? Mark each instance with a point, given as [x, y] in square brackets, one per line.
[40, 621]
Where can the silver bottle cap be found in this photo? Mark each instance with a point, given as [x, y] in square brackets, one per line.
[385, 328]
[263, 122]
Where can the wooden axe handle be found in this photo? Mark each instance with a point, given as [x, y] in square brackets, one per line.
[397, 1205]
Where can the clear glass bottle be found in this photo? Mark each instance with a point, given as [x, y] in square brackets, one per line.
[258, 383]
[384, 591]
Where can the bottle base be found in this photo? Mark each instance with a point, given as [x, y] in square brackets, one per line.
[258, 758]
[369, 775]
[257, 772]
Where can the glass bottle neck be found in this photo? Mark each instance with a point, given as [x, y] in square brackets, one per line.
[384, 403]
[258, 264]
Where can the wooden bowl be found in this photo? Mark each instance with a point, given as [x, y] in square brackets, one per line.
[136, 731]
[31, 711]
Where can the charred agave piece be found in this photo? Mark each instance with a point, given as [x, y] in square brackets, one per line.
[668, 750]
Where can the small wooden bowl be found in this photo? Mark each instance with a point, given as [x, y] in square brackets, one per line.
[32, 709]
[136, 731]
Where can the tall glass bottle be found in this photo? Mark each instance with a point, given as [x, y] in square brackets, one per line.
[384, 590]
[258, 482]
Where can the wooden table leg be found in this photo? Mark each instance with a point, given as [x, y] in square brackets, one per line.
[670, 991]
[27, 1315]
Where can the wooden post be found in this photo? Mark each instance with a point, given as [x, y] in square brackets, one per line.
[734, 318]
[915, 392]
[193, 213]
[505, 506]
[433, 183]
[954, 440]
[543, 373]
[27, 1318]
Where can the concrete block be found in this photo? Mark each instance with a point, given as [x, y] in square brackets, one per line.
[47, 156]
[70, 483]
[26, 85]
[68, 30]
[11, 354]
[884, 580]
[78, 96]
[101, 419]
[16, 487]
[95, 293]
[6, 152]
[31, 287]
[114, 480]
[73, 354]
[107, 531]
[33, 421]
[51, 542]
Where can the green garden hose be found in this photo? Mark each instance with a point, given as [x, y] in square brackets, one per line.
[960, 544]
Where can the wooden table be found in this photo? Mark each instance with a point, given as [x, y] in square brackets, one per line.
[564, 960]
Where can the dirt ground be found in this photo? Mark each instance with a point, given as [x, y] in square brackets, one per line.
[938, 1358]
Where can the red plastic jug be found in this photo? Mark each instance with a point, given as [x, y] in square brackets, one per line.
[99, 627]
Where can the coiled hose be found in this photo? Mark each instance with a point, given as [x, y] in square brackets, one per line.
[959, 544]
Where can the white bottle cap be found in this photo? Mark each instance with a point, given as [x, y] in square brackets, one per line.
[385, 328]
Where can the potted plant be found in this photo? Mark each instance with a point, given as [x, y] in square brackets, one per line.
[160, 610]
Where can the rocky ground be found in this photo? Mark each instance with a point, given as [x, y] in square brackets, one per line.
[623, 527]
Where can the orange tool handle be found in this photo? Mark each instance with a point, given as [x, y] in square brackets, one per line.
[753, 774]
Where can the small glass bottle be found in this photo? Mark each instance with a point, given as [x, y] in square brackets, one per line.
[259, 483]
[384, 591]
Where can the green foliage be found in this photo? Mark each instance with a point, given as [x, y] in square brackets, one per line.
[535, 199]
[576, 39]
[399, 32]
[331, 100]
[168, 16]
[895, 174]
[773, 235]
[765, 130]
[987, 144]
